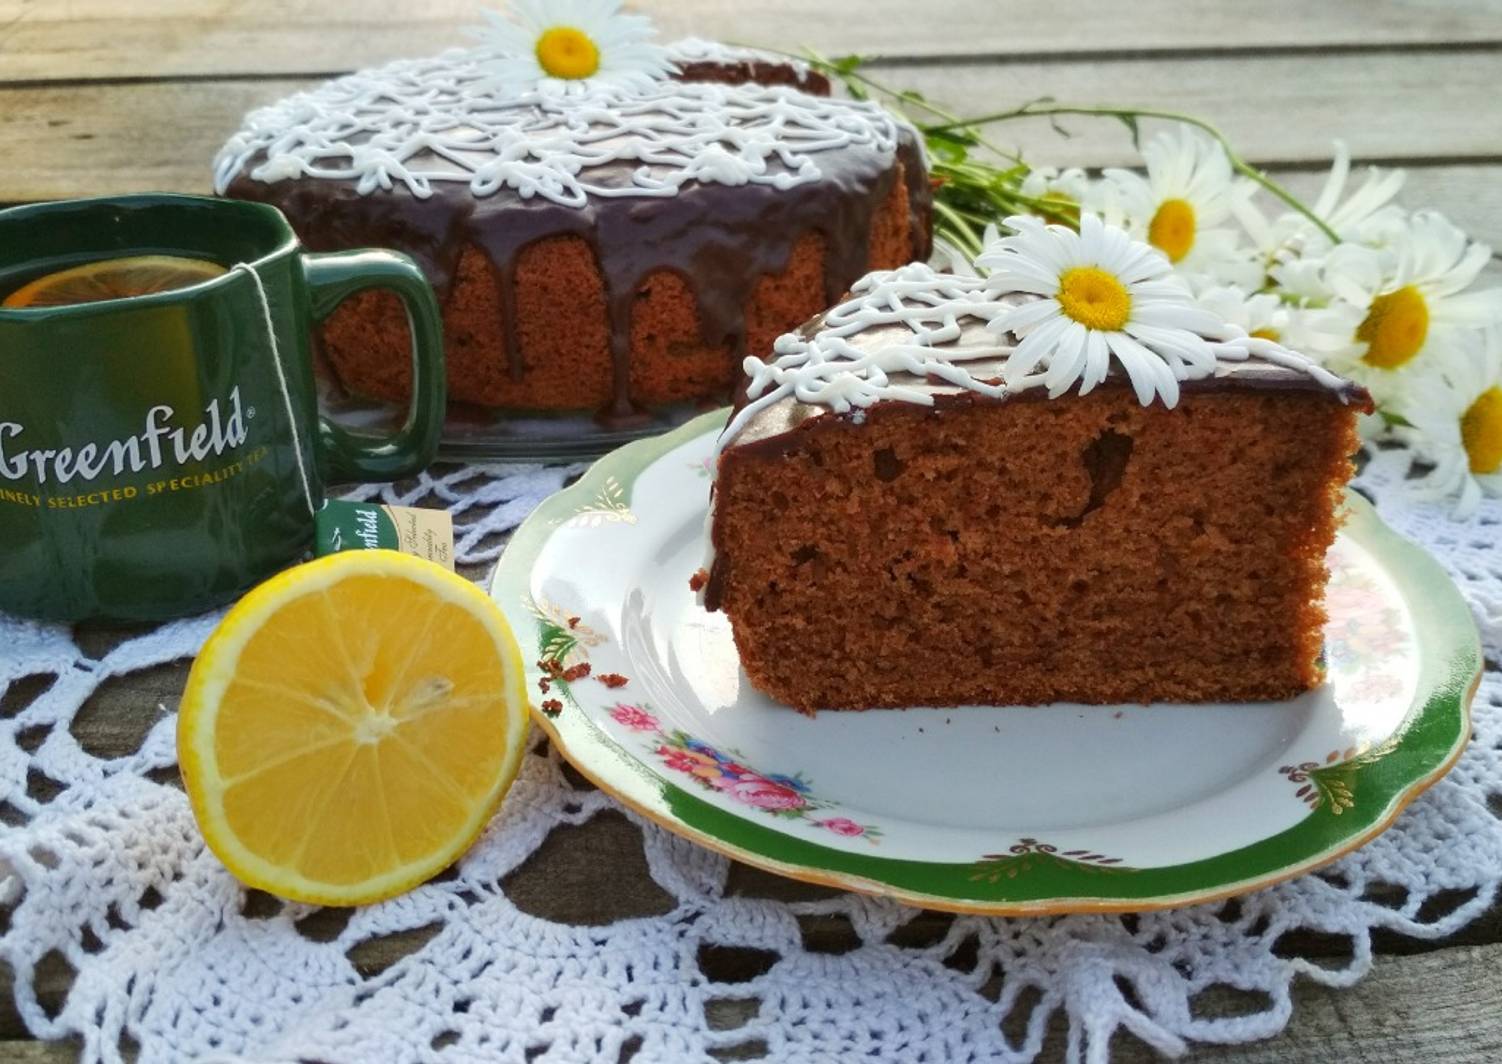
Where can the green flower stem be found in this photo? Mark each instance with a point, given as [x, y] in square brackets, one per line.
[951, 121]
[961, 228]
[848, 74]
[1131, 114]
[971, 181]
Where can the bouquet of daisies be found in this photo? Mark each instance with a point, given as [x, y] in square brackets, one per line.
[1382, 295]
[1386, 296]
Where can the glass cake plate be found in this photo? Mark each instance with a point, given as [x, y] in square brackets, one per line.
[477, 434]
[991, 809]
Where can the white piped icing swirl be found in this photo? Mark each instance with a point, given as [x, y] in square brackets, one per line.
[417, 122]
[913, 325]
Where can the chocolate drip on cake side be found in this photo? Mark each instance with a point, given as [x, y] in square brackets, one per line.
[332, 216]
[501, 237]
[720, 239]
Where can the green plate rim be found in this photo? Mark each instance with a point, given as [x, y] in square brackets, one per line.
[1381, 782]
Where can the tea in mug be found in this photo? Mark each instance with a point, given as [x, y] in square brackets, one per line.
[122, 278]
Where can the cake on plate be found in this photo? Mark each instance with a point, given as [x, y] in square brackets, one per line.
[611, 245]
[1062, 481]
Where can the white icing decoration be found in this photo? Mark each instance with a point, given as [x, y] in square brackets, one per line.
[416, 122]
[831, 368]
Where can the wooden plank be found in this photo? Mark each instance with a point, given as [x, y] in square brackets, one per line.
[90, 139]
[1410, 1010]
[102, 140]
[1276, 109]
[19, 1052]
[154, 38]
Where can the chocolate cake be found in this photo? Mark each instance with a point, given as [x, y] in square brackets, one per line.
[905, 514]
[609, 250]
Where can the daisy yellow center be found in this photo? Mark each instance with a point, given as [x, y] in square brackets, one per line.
[1172, 229]
[1395, 328]
[1267, 333]
[1481, 431]
[1094, 298]
[565, 52]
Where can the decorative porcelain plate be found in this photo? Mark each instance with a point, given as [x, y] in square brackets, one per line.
[995, 809]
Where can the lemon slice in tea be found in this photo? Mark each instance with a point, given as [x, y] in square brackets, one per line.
[351, 726]
[92, 282]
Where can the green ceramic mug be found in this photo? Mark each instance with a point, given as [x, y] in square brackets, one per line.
[160, 454]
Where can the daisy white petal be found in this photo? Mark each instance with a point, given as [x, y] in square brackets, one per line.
[1020, 318]
[1037, 346]
[1149, 375]
[1097, 361]
[1067, 365]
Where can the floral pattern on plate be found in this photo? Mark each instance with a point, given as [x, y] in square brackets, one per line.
[1365, 627]
[725, 771]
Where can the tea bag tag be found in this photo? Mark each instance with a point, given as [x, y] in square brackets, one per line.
[346, 525]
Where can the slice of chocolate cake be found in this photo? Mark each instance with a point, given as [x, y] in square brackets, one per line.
[1061, 482]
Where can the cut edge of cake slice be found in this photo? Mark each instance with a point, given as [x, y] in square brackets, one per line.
[919, 503]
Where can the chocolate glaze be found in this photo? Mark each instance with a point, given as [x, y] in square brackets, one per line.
[780, 428]
[720, 239]
[761, 72]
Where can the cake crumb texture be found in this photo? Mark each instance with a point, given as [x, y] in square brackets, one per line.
[1085, 549]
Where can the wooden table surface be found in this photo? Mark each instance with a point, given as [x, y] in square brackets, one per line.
[111, 96]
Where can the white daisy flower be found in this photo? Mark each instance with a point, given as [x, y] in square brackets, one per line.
[1454, 416]
[1070, 184]
[563, 47]
[1268, 315]
[1364, 217]
[1068, 190]
[1179, 205]
[1258, 314]
[1391, 307]
[1370, 203]
[1104, 296]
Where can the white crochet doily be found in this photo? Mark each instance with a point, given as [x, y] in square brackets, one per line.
[111, 874]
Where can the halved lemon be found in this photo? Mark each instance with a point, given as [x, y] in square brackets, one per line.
[351, 726]
[137, 275]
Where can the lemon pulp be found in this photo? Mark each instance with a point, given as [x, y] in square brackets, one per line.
[121, 278]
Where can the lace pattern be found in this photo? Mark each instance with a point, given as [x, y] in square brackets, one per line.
[102, 865]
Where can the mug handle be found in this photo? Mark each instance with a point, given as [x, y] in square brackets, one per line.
[333, 278]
